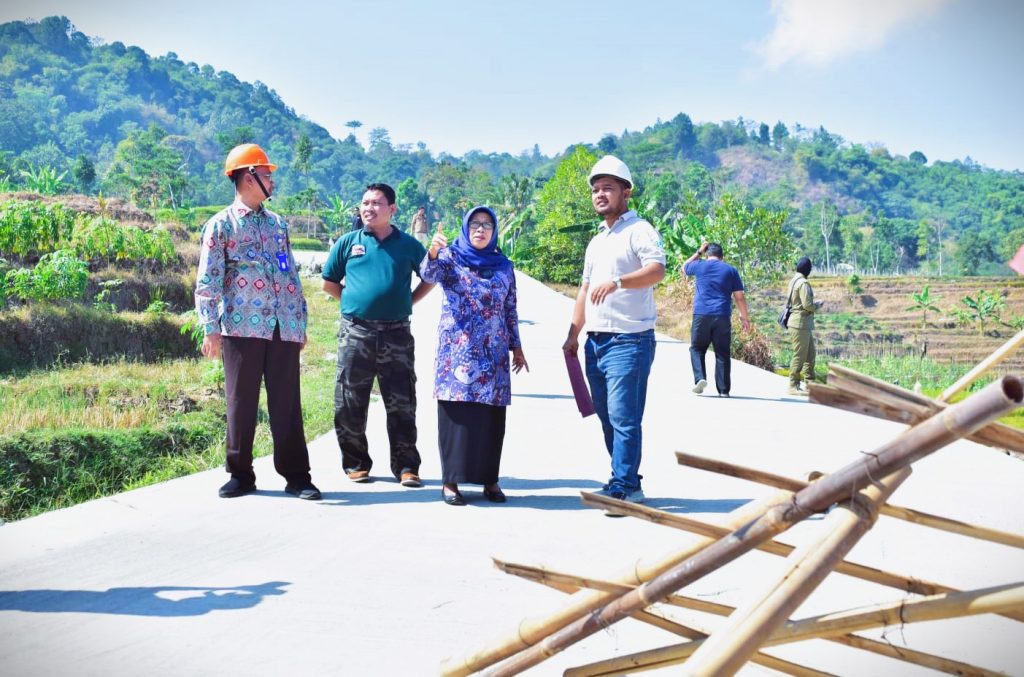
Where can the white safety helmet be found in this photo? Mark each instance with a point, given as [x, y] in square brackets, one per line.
[610, 165]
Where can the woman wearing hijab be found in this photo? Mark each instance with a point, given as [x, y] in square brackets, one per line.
[801, 327]
[478, 329]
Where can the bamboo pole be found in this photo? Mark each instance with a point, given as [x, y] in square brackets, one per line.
[731, 646]
[569, 583]
[899, 512]
[995, 599]
[904, 406]
[912, 445]
[530, 631]
[861, 571]
[1004, 351]
[690, 632]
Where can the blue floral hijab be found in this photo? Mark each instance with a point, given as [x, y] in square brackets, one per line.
[490, 257]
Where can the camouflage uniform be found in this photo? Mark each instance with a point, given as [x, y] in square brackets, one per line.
[383, 350]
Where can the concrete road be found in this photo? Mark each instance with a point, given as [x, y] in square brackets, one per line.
[382, 580]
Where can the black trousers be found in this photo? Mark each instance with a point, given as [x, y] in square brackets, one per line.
[247, 362]
[714, 330]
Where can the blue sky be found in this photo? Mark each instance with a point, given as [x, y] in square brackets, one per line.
[940, 76]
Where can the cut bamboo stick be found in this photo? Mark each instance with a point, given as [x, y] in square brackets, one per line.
[531, 631]
[995, 599]
[699, 527]
[728, 648]
[1001, 353]
[914, 444]
[569, 583]
[899, 512]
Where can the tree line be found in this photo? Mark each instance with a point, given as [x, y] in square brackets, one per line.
[76, 115]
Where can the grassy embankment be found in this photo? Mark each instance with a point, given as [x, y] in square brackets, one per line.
[73, 433]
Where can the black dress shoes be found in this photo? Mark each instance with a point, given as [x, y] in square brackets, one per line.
[496, 496]
[304, 490]
[453, 498]
[235, 487]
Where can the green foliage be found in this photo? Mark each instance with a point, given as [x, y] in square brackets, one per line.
[553, 250]
[101, 238]
[853, 284]
[29, 228]
[923, 301]
[987, 305]
[102, 299]
[59, 275]
[157, 304]
[43, 180]
[149, 168]
[753, 239]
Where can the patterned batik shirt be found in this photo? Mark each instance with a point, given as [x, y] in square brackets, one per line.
[479, 325]
[247, 283]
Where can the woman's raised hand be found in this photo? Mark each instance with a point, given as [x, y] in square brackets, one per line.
[439, 242]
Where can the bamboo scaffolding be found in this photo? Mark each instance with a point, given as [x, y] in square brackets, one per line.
[952, 423]
[731, 646]
[995, 599]
[899, 512]
[530, 631]
[706, 529]
[852, 391]
[1001, 353]
[690, 632]
[569, 583]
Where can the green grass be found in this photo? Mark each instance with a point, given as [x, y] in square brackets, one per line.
[845, 322]
[72, 434]
[307, 244]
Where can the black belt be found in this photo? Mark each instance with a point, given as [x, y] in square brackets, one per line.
[377, 324]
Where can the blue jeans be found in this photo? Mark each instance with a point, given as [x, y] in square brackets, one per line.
[617, 368]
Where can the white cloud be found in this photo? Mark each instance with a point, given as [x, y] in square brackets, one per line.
[818, 32]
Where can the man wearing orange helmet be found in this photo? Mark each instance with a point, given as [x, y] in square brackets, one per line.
[250, 302]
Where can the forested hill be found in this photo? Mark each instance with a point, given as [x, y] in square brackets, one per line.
[155, 129]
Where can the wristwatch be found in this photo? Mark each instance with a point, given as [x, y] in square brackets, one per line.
[618, 281]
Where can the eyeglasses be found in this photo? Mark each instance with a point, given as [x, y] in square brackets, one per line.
[480, 225]
[264, 177]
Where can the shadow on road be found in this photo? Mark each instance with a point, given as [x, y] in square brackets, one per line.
[151, 601]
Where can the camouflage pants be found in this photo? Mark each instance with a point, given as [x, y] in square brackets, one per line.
[385, 351]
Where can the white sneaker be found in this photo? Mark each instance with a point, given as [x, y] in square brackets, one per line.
[699, 386]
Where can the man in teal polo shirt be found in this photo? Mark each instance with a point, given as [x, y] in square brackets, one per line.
[376, 262]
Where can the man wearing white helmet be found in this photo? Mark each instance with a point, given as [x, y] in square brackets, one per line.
[616, 303]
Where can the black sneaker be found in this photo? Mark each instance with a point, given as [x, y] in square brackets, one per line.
[304, 490]
[235, 487]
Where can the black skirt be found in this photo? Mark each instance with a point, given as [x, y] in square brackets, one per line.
[470, 436]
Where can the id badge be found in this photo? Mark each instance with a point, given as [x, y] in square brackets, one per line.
[282, 262]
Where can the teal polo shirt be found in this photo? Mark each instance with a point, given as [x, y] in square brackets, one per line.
[377, 273]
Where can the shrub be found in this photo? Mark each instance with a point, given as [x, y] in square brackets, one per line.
[57, 276]
[28, 229]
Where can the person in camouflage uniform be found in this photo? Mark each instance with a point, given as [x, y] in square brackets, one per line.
[376, 263]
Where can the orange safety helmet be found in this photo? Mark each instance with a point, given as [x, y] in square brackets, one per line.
[246, 155]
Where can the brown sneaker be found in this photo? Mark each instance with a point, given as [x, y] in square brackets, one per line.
[410, 479]
[359, 475]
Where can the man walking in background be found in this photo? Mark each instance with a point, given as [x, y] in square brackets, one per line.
[718, 284]
[250, 302]
[623, 262]
[374, 340]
